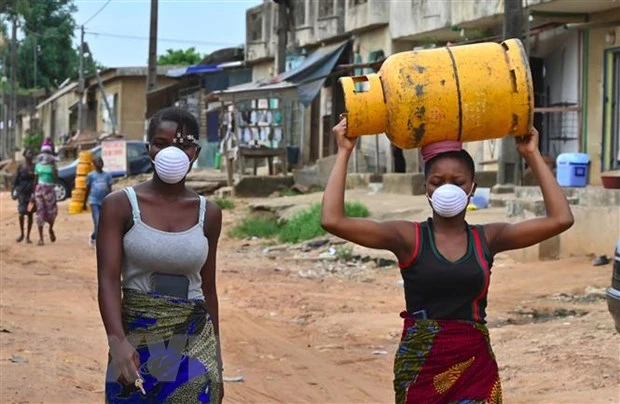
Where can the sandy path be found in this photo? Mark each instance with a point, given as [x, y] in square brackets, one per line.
[297, 340]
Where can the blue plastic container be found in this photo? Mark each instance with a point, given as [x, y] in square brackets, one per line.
[572, 169]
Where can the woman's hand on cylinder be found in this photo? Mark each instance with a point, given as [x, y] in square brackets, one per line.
[340, 132]
[527, 145]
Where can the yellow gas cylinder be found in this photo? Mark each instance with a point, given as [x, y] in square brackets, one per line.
[469, 92]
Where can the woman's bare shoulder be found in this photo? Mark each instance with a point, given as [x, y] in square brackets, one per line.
[118, 201]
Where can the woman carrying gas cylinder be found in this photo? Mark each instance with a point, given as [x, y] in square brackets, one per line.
[445, 353]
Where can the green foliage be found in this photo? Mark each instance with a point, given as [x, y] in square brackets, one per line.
[47, 29]
[344, 252]
[224, 203]
[306, 225]
[255, 227]
[33, 141]
[181, 57]
[356, 209]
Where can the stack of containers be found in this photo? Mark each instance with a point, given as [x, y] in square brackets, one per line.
[85, 166]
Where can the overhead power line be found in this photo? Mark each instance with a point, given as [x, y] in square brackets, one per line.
[97, 12]
[145, 38]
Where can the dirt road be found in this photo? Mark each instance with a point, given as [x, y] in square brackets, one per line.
[296, 338]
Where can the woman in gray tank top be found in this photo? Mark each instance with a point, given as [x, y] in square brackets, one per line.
[156, 249]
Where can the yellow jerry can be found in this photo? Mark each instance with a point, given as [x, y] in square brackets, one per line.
[83, 168]
[85, 157]
[80, 182]
[75, 207]
[466, 93]
[78, 195]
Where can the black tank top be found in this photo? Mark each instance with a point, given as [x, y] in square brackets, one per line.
[448, 290]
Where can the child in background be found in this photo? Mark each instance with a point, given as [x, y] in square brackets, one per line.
[98, 186]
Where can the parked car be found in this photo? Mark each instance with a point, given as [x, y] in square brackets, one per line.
[139, 163]
[613, 293]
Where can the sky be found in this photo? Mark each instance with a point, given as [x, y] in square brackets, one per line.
[207, 25]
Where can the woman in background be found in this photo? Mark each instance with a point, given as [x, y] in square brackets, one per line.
[23, 191]
[45, 192]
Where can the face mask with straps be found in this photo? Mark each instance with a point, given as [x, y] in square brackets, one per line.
[449, 200]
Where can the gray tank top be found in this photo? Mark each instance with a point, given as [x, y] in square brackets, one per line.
[148, 251]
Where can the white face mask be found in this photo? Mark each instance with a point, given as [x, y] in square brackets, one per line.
[171, 165]
[449, 200]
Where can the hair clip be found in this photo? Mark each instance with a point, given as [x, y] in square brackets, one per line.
[180, 139]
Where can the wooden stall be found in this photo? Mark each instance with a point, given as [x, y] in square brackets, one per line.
[255, 124]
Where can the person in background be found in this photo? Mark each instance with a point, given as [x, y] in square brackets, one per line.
[445, 355]
[23, 191]
[156, 265]
[98, 186]
[45, 194]
[49, 156]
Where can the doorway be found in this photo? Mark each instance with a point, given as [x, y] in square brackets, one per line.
[611, 108]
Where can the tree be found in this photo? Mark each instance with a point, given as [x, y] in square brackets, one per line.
[180, 57]
[47, 44]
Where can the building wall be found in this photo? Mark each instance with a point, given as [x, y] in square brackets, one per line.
[593, 130]
[132, 106]
[562, 70]
[63, 122]
[562, 78]
[131, 98]
[365, 43]
[409, 18]
[364, 15]
[111, 87]
[263, 70]
[326, 109]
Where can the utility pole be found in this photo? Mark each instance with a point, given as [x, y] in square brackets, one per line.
[509, 163]
[5, 130]
[13, 132]
[80, 119]
[34, 57]
[283, 7]
[151, 80]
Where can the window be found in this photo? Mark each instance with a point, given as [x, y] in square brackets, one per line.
[135, 150]
[109, 118]
[326, 8]
[353, 3]
[299, 12]
[611, 111]
[254, 25]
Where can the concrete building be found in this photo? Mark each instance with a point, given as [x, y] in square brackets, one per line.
[125, 90]
[575, 67]
[601, 92]
[58, 114]
[574, 49]
[261, 39]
